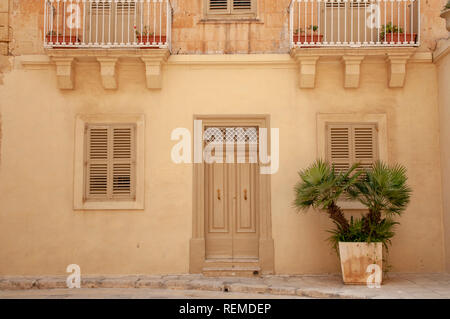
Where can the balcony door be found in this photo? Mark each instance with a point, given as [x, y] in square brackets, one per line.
[112, 22]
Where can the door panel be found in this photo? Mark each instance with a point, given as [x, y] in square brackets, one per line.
[231, 219]
[245, 235]
[217, 219]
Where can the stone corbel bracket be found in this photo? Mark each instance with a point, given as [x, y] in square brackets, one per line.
[153, 59]
[397, 69]
[395, 58]
[307, 69]
[153, 69]
[65, 72]
[108, 72]
[352, 64]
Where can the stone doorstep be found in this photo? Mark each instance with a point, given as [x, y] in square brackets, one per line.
[168, 282]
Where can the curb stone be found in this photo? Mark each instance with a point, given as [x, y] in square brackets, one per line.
[251, 288]
[149, 283]
[281, 290]
[167, 282]
[209, 285]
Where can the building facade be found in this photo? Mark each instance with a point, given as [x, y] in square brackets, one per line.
[104, 106]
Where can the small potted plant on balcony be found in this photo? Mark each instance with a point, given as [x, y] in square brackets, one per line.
[313, 36]
[52, 37]
[445, 14]
[360, 241]
[394, 34]
[148, 37]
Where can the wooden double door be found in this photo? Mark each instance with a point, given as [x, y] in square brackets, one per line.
[231, 211]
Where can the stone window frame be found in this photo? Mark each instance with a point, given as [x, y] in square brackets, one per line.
[79, 201]
[379, 119]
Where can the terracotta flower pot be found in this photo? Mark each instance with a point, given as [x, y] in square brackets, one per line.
[150, 38]
[302, 38]
[355, 261]
[446, 15]
[400, 38]
[67, 39]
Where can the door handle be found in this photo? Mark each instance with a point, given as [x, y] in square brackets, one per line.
[245, 194]
[218, 194]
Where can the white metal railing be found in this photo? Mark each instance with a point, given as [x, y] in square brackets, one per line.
[354, 23]
[107, 24]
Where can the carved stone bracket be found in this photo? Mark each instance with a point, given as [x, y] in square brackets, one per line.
[65, 72]
[395, 57]
[397, 69]
[153, 59]
[307, 69]
[108, 72]
[352, 73]
[153, 69]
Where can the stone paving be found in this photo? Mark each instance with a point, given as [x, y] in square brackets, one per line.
[400, 285]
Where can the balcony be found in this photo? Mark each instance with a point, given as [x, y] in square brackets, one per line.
[354, 23]
[96, 24]
[107, 31]
[351, 31]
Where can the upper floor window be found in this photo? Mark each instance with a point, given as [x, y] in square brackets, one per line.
[231, 8]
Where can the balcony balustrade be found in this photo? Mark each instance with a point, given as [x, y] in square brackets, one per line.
[354, 23]
[107, 24]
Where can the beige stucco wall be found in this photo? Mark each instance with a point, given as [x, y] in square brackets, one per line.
[40, 233]
[442, 57]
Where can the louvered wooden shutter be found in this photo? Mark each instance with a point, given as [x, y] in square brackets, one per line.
[218, 6]
[97, 162]
[339, 146]
[230, 6]
[123, 162]
[110, 162]
[240, 6]
[365, 145]
[352, 143]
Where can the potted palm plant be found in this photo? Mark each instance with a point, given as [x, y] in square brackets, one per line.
[445, 14]
[359, 241]
[392, 33]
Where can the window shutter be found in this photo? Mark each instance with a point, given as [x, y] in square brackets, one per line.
[348, 144]
[110, 162]
[339, 146]
[100, 6]
[97, 162]
[126, 7]
[123, 162]
[365, 150]
[242, 5]
[218, 6]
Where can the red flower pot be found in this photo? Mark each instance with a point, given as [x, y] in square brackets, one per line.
[305, 39]
[400, 38]
[150, 39]
[59, 39]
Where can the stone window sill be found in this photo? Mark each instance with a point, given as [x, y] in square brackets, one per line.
[229, 20]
